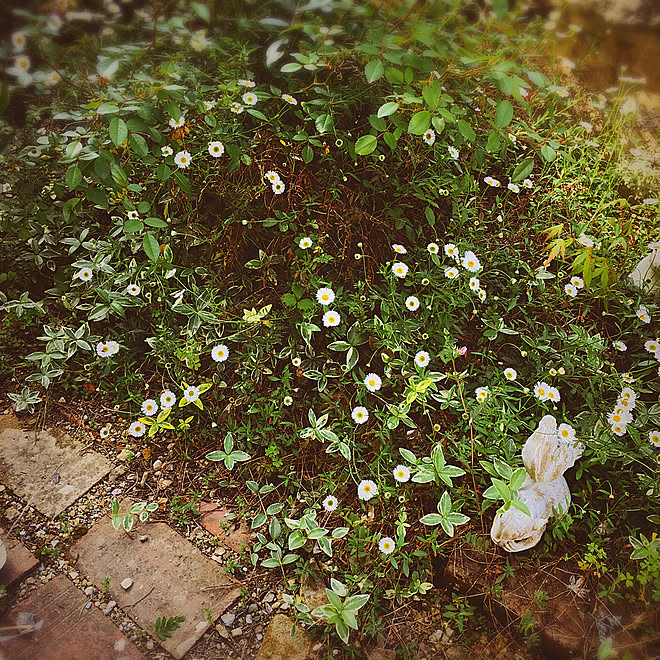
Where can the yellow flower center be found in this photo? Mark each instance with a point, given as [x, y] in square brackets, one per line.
[367, 489]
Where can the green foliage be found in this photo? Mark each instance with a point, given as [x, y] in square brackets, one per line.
[164, 627]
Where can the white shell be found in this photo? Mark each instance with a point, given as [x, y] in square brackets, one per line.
[546, 456]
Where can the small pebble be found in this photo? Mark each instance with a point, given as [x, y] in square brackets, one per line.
[157, 464]
[111, 606]
[88, 604]
[126, 584]
[236, 632]
[228, 618]
[248, 618]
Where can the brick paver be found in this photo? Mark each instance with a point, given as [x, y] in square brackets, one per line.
[214, 519]
[49, 469]
[20, 561]
[171, 577]
[69, 630]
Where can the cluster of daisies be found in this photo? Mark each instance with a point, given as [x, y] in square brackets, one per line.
[621, 416]
[482, 394]
[149, 408]
[275, 181]
[513, 187]
[107, 348]
[545, 392]
[366, 490]
[571, 289]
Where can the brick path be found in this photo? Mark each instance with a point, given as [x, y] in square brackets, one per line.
[169, 575]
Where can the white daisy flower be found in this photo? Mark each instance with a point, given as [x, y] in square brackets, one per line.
[246, 83]
[216, 149]
[619, 416]
[482, 294]
[627, 378]
[305, 243]
[528, 183]
[373, 382]
[481, 394]
[182, 159]
[541, 391]
[114, 347]
[619, 345]
[400, 269]
[628, 107]
[422, 358]
[429, 137]
[236, 108]
[652, 345]
[167, 399]
[166, 151]
[191, 394]
[619, 429]
[386, 545]
[412, 303]
[249, 98]
[133, 215]
[18, 40]
[296, 362]
[367, 489]
[553, 395]
[330, 503]
[104, 432]
[452, 251]
[453, 152]
[331, 319]
[177, 123]
[209, 105]
[290, 99]
[401, 474]
[220, 353]
[325, 296]
[471, 262]
[510, 373]
[654, 438]
[6, 187]
[570, 290]
[133, 290]
[103, 350]
[399, 249]
[643, 314]
[433, 248]
[585, 241]
[360, 414]
[451, 273]
[628, 394]
[149, 407]
[566, 432]
[137, 429]
[85, 274]
[494, 183]
[287, 401]
[278, 187]
[513, 187]
[577, 282]
[474, 284]
[22, 63]
[272, 176]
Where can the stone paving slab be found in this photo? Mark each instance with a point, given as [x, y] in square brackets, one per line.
[171, 577]
[69, 630]
[20, 561]
[49, 469]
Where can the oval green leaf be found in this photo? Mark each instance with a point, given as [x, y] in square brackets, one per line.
[365, 145]
[118, 131]
[419, 122]
[388, 109]
[503, 114]
[151, 248]
[374, 70]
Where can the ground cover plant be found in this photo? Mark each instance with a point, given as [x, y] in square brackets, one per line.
[346, 259]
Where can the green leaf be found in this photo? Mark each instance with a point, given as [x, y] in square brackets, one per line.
[408, 455]
[118, 131]
[307, 154]
[274, 508]
[259, 520]
[326, 545]
[388, 109]
[494, 142]
[503, 114]
[466, 130]
[523, 170]
[216, 456]
[502, 489]
[107, 109]
[202, 11]
[291, 67]
[131, 226]
[339, 346]
[518, 479]
[548, 153]
[151, 246]
[419, 122]
[73, 176]
[521, 506]
[163, 172]
[258, 114]
[338, 587]
[431, 519]
[296, 540]
[365, 145]
[183, 182]
[139, 144]
[155, 222]
[444, 505]
[339, 533]
[374, 71]
[324, 123]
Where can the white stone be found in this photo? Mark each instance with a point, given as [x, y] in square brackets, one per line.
[126, 583]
